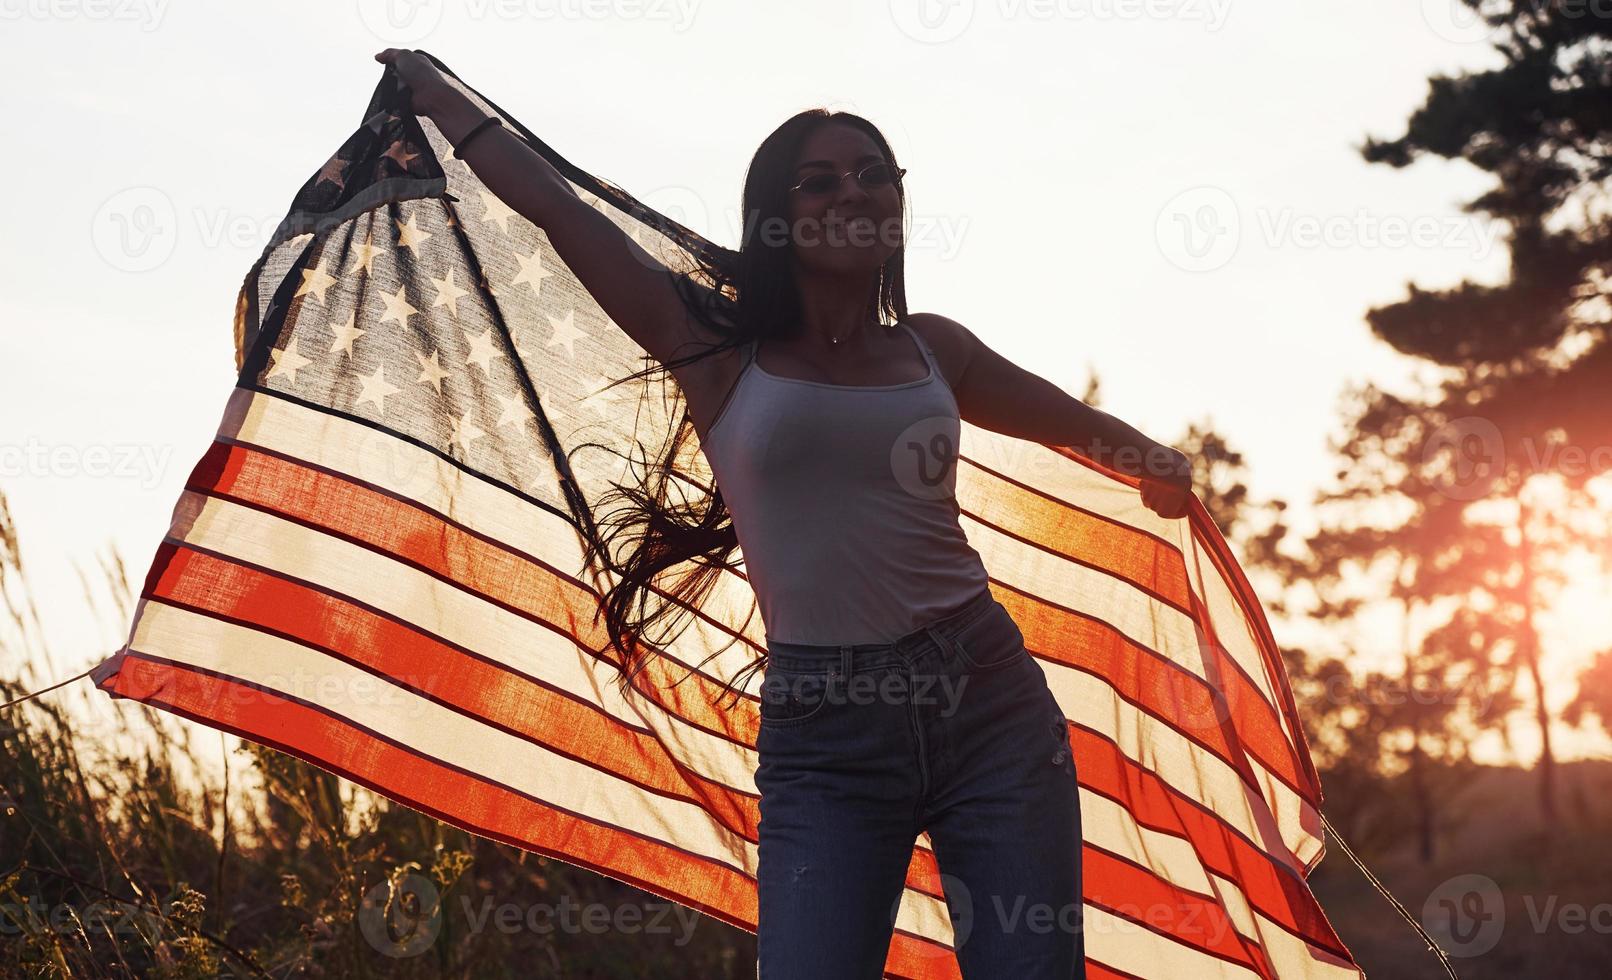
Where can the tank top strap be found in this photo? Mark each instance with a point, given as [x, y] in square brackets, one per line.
[923, 347]
[749, 355]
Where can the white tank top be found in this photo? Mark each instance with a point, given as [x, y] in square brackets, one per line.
[843, 503]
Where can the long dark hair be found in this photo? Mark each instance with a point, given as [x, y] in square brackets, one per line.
[668, 538]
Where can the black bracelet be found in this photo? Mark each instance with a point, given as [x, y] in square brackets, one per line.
[489, 122]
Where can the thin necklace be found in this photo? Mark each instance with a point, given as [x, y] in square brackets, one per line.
[836, 340]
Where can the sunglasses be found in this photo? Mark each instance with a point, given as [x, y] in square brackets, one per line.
[873, 175]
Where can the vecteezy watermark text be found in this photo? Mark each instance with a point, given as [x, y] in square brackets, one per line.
[403, 918]
[138, 461]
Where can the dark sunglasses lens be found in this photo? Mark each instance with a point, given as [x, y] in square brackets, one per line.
[878, 175]
[819, 183]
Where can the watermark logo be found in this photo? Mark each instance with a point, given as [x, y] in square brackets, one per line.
[682, 204]
[1466, 457]
[938, 234]
[932, 21]
[406, 22]
[923, 458]
[135, 229]
[572, 917]
[1466, 914]
[148, 14]
[1011, 914]
[1201, 228]
[959, 908]
[1457, 22]
[400, 22]
[1472, 452]
[143, 463]
[805, 691]
[1198, 229]
[939, 21]
[401, 917]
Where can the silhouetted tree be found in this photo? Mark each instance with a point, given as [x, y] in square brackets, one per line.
[1533, 352]
[1594, 696]
[1384, 538]
[1531, 389]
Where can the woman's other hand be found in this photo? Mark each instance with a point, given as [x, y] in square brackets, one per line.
[1167, 492]
[425, 82]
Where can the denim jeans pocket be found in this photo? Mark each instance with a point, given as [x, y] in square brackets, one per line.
[791, 698]
[991, 642]
[1062, 755]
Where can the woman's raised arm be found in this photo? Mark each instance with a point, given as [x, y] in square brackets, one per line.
[630, 285]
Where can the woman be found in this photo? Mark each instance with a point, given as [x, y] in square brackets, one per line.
[898, 695]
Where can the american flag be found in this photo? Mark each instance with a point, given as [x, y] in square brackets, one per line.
[377, 567]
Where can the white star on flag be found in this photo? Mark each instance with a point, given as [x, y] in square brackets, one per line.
[375, 389]
[397, 308]
[447, 293]
[409, 236]
[363, 257]
[464, 431]
[346, 333]
[496, 211]
[592, 385]
[286, 361]
[565, 331]
[482, 350]
[514, 411]
[430, 370]
[316, 281]
[532, 271]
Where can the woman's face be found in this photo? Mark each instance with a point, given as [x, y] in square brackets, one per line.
[851, 228]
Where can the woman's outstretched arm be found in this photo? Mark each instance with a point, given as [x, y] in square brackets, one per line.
[630, 285]
[994, 393]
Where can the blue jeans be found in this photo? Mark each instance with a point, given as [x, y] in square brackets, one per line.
[951, 729]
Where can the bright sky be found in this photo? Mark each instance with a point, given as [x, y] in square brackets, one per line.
[1166, 192]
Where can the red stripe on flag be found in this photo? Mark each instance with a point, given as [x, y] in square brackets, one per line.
[421, 783]
[1164, 689]
[1130, 554]
[1271, 889]
[1143, 898]
[407, 532]
[1097, 971]
[489, 693]
[1230, 572]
